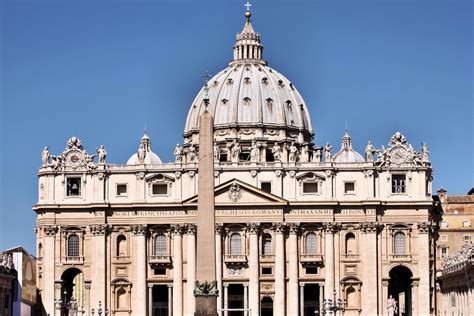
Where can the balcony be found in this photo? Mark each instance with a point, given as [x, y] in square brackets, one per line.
[309, 260]
[235, 260]
[400, 258]
[121, 259]
[73, 260]
[267, 258]
[156, 261]
[350, 257]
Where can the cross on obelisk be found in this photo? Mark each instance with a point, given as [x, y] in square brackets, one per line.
[205, 289]
[248, 5]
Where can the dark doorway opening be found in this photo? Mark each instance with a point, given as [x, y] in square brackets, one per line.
[311, 300]
[266, 306]
[236, 299]
[399, 287]
[160, 300]
[70, 291]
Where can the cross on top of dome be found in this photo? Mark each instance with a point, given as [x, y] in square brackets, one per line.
[247, 45]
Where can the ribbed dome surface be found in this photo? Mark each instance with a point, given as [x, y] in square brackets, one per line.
[148, 156]
[251, 95]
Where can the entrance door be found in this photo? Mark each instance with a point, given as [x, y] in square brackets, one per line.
[311, 300]
[160, 301]
[267, 306]
[399, 287]
[236, 299]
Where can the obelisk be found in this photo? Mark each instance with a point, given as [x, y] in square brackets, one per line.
[205, 289]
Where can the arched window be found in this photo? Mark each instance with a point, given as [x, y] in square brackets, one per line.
[160, 245]
[351, 297]
[310, 246]
[121, 298]
[266, 244]
[40, 250]
[121, 246]
[73, 246]
[235, 244]
[399, 244]
[350, 244]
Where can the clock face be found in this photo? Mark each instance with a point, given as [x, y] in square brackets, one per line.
[398, 155]
[74, 158]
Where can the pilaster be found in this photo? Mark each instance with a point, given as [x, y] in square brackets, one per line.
[139, 233]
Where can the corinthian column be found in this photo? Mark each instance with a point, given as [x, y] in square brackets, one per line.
[292, 299]
[369, 252]
[177, 271]
[99, 265]
[218, 231]
[191, 269]
[253, 269]
[329, 262]
[279, 308]
[49, 232]
[139, 286]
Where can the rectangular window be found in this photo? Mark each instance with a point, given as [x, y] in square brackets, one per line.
[311, 270]
[310, 187]
[398, 183]
[266, 186]
[444, 252]
[121, 189]
[444, 224]
[160, 189]
[159, 271]
[73, 186]
[466, 238]
[267, 271]
[349, 187]
[466, 223]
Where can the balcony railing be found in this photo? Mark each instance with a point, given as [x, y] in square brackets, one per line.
[159, 260]
[311, 259]
[400, 257]
[350, 256]
[121, 258]
[267, 258]
[235, 259]
[73, 260]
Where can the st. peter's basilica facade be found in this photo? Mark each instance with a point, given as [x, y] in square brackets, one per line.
[296, 223]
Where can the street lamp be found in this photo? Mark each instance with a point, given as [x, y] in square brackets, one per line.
[332, 306]
[100, 310]
[64, 306]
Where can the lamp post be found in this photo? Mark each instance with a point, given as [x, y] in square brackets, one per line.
[64, 306]
[100, 310]
[331, 307]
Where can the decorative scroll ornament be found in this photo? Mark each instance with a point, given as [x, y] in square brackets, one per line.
[206, 288]
[73, 157]
[401, 153]
[235, 192]
[7, 262]
[99, 229]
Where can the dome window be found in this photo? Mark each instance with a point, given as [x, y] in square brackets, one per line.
[280, 83]
[292, 86]
[265, 80]
[247, 101]
[247, 80]
[288, 103]
[215, 83]
[270, 103]
[230, 81]
[224, 101]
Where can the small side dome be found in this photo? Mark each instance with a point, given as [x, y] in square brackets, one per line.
[347, 154]
[144, 155]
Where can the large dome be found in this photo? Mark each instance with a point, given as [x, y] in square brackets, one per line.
[248, 99]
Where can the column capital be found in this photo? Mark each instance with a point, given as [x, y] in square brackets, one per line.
[50, 230]
[219, 228]
[253, 228]
[294, 228]
[423, 227]
[138, 229]
[332, 227]
[177, 229]
[280, 227]
[191, 229]
[371, 227]
[99, 229]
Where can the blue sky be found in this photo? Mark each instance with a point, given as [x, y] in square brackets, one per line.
[102, 70]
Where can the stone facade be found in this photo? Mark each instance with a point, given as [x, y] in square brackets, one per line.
[292, 229]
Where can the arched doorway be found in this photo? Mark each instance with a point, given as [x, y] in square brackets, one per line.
[266, 306]
[72, 290]
[399, 287]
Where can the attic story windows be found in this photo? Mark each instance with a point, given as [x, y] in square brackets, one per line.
[247, 101]
[265, 80]
[159, 184]
[310, 183]
[73, 186]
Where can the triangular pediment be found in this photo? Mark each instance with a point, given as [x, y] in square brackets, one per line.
[236, 192]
